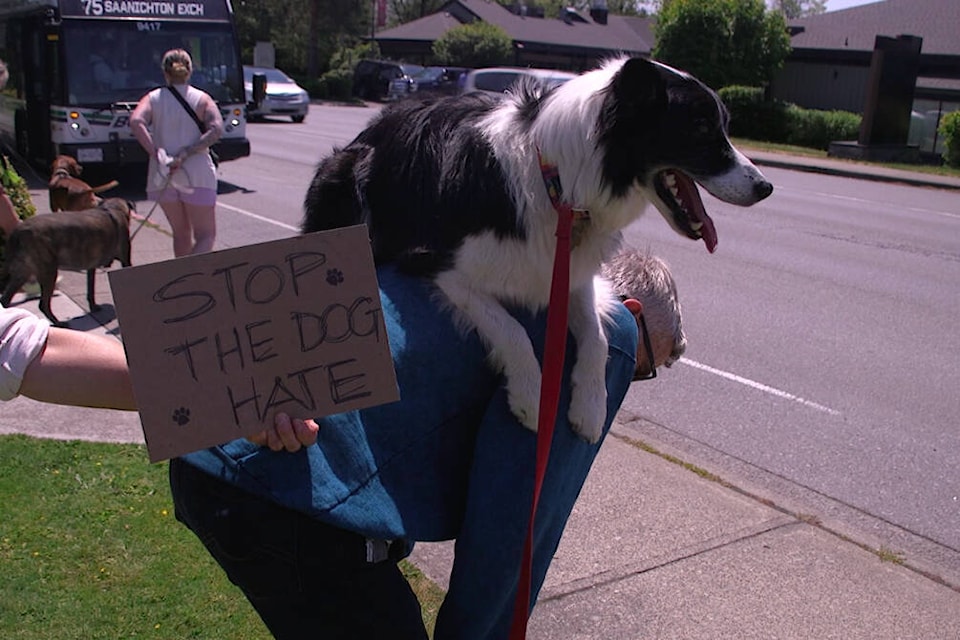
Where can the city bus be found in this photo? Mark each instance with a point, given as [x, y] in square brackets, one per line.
[72, 71]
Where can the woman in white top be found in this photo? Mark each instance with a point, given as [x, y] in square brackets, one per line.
[181, 176]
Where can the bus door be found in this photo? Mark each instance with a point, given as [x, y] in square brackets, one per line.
[40, 56]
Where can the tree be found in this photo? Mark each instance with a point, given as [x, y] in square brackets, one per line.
[552, 8]
[798, 8]
[722, 42]
[631, 7]
[478, 44]
[304, 32]
[406, 10]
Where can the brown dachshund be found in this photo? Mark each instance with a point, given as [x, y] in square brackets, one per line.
[67, 191]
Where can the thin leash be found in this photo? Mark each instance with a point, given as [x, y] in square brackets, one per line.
[554, 352]
[144, 220]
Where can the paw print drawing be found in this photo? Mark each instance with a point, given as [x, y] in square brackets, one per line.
[334, 276]
[181, 416]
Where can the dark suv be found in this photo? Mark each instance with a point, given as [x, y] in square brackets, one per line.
[372, 78]
[430, 82]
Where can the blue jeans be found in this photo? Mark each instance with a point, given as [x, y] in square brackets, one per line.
[489, 547]
[305, 578]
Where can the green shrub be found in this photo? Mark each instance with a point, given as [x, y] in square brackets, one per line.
[950, 130]
[336, 84]
[737, 96]
[754, 117]
[332, 85]
[310, 84]
[476, 44]
[817, 129]
[16, 188]
[348, 57]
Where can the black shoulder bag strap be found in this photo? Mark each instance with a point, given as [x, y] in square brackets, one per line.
[193, 114]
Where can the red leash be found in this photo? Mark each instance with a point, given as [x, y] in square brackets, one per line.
[554, 351]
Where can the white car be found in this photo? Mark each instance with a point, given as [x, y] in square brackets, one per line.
[499, 79]
[284, 96]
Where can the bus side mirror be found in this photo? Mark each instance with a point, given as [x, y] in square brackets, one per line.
[259, 88]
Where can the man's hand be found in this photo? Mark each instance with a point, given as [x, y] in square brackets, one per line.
[287, 433]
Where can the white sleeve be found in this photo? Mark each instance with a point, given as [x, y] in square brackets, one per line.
[22, 338]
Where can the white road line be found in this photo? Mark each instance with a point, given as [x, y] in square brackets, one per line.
[256, 216]
[759, 386]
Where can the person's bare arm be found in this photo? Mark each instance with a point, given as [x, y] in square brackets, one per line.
[210, 116]
[213, 120]
[8, 214]
[79, 369]
[139, 125]
[85, 370]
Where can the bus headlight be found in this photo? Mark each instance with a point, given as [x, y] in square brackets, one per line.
[78, 125]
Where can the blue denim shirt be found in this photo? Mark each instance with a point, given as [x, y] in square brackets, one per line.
[446, 461]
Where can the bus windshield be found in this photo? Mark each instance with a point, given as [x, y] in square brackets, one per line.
[119, 60]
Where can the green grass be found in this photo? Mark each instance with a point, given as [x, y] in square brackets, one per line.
[89, 549]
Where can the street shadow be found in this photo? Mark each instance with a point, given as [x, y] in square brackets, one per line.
[273, 120]
[88, 321]
[95, 320]
[224, 187]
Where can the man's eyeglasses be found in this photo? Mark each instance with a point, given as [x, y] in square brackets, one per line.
[645, 335]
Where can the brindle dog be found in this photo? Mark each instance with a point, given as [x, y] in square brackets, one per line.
[83, 240]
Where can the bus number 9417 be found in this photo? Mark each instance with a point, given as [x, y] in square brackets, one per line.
[148, 26]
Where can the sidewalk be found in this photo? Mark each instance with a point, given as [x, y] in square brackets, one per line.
[849, 169]
[653, 550]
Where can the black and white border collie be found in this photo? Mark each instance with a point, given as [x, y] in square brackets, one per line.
[452, 189]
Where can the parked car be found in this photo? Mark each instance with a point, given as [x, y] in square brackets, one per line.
[499, 79]
[372, 78]
[284, 96]
[429, 82]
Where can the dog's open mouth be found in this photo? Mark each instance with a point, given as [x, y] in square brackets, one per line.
[679, 193]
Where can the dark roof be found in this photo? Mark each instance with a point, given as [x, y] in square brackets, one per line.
[621, 33]
[856, 28]
[643, 27]
[428, 28]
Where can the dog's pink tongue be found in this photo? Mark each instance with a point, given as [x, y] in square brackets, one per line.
[709, 233]
[693, 203]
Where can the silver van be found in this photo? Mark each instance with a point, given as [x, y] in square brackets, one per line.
[499, 79]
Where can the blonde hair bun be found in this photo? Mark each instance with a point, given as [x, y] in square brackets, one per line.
[177, 65]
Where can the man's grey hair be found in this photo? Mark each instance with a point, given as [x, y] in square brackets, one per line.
[637, 274]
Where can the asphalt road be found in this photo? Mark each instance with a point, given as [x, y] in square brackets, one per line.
[823, 350]
[822, 364]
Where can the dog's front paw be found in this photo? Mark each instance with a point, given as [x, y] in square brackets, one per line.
[588, 411]
[524, 400]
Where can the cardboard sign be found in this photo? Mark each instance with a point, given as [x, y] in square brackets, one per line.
[218, 343]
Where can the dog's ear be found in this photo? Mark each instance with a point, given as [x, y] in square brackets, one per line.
[639, 84]
[633, 109]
